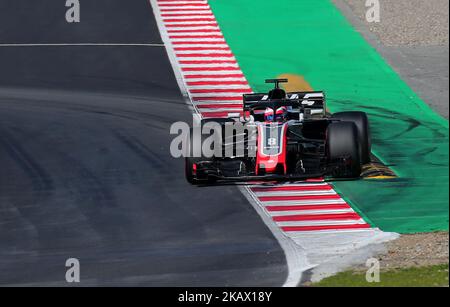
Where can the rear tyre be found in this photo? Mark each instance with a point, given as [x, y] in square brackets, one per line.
[342, 142]
[362, 124]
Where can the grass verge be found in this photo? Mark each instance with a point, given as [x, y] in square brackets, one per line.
[429, 276]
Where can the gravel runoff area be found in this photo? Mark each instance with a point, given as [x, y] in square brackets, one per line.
[408, 22]
[416, 250]
[413, 250]
[412, 36]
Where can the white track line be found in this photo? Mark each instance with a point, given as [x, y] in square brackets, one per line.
[321, 223]
[309, 212]
[80, 44]
[303, 202]
[299, 193]
[212, 65]
[212, 75]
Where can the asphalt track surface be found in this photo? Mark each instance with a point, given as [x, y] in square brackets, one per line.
[85, 164]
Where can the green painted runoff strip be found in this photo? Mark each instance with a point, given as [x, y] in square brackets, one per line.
[312, 39]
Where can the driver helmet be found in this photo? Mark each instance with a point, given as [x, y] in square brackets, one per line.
[280, 115]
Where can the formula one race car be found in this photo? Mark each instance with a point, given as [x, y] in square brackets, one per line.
[285, 136]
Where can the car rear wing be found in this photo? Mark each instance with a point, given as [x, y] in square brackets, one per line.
[313, 103]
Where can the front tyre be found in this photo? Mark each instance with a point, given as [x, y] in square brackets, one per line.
[192, 175]
[189, 170]
[361, 122]
[342, 142]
